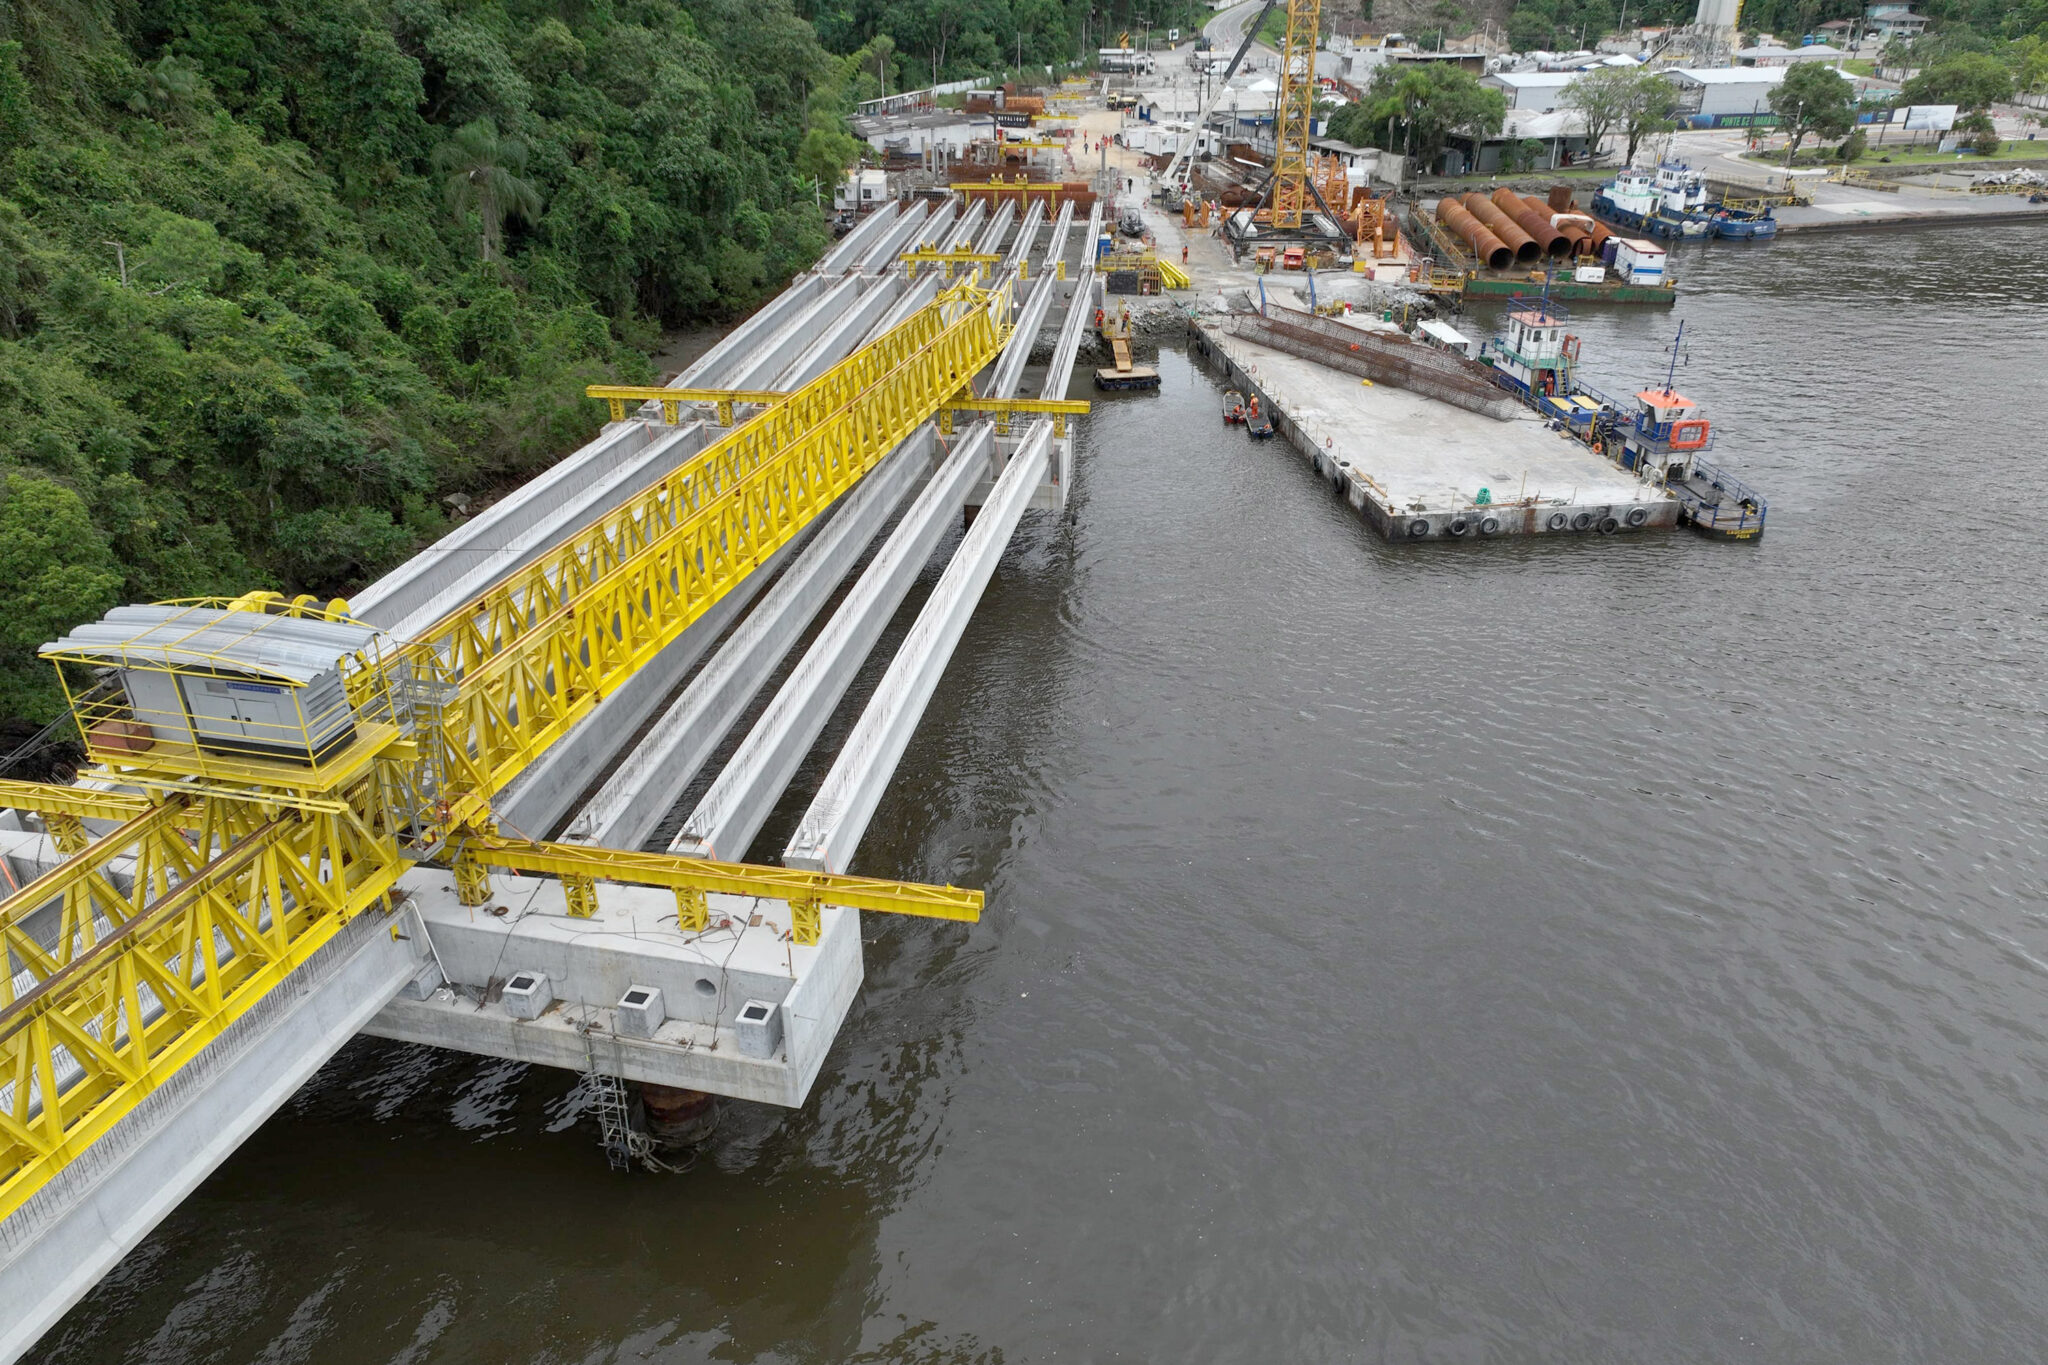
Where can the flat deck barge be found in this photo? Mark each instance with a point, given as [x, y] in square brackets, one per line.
[1417, 468]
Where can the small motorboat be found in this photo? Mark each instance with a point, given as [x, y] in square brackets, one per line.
[1259, 425]
[1233, 406]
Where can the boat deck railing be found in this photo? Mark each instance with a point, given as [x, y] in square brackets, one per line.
[1737, 507]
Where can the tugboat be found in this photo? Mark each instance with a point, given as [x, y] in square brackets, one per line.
[1233, 408]
[1659, 436]
[1670, 201]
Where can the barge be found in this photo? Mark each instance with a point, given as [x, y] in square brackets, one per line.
[1419, 440]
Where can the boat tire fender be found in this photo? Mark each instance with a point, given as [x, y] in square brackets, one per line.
[1608, 526]
[1458, 526]
[1418, 528]
[1489, 526]
[1638, 515]
[1582, 521]
[1558, 521]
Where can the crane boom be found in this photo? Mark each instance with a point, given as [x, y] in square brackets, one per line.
[1179, 165]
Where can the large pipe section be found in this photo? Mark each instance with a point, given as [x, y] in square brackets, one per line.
[1490, 250]
[1500, 225]
[1534, 221]
[1585, 232]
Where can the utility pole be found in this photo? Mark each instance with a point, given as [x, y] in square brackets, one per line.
[121, 255]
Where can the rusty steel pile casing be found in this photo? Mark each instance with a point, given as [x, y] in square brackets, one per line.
[1534, 221]
[1561, 198]
[1500, 225]
[1580, 227]
[1384, 358]
[1489, 249]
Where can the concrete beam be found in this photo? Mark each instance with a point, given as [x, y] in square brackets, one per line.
[440, 580]
[56, 1246]
[838, 340]
[725, 822]
[541, 798]
[921, 292]
[649, 781]
[1056, 244]
[832, 827]
[883, 253]
[714, 369]
[406, 589]
[847, 252]
[763, 367]
[969, 224]
[998, 225]
[1027, 234]
[1017, 354]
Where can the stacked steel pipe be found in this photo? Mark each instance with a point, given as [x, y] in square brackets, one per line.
[1533, 220]
[1500, 225]
[1489, 249]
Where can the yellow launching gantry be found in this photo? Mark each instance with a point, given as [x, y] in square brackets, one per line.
[271, 768]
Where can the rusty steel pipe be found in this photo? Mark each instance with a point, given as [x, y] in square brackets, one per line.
[1489, 249]
[1500, 225]
[1533, 217]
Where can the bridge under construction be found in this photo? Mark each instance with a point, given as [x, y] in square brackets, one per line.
[430, 813]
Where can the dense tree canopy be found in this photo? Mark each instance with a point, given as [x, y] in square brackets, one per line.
[274, 279]
[1414, 110]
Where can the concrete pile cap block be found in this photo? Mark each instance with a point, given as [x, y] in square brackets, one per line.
[526, 995]
[640, 1011]
[759, 1028]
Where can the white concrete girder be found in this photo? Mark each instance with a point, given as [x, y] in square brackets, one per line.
[847, 252]
[732, 811]
[647, 783]
[832, 827]
[838, 339]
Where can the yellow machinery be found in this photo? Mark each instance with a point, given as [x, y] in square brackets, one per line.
[279, 766]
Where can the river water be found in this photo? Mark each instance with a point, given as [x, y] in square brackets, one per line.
[1596, 952]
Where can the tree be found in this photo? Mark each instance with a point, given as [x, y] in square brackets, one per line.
[1978, 133]
[1969, 80]
[483, 176]
[1600, 97]
[1648, 111]
[1813, 101]
[1415, 110]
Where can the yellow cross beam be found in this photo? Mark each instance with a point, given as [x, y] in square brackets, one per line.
[672, 400]
[980, 260]
[1059, 409]
[581, 866]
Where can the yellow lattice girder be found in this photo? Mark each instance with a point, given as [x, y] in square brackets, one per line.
[583, 865]
[1294, 120]
[533, 655]
[211, 925]
[47, 799]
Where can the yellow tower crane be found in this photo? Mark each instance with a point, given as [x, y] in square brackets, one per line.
[272, 767]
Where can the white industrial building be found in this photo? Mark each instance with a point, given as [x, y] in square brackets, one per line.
[1537, 92]
[1727, 96]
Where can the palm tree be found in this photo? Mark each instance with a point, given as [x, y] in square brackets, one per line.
[483, 176]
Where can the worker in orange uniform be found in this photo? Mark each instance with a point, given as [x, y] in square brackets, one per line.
[1183, 253]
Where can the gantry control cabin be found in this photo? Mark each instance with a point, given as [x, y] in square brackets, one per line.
[219, 680]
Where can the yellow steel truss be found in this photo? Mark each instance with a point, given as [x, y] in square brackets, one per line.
[147, 943]
[533, 655]
[1059, 409]
[126, 984]
[1295, 117]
